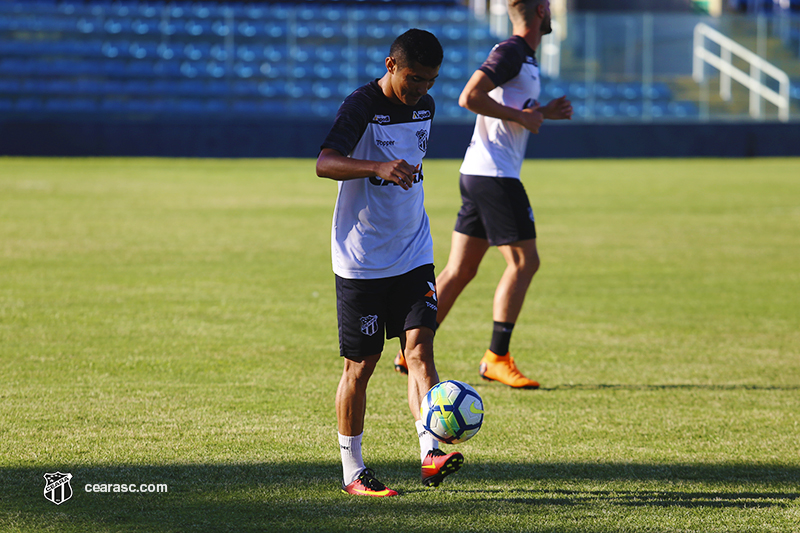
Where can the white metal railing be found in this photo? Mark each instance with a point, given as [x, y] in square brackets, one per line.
[752, 80]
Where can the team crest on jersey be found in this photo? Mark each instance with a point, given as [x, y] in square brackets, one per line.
[57, 488]
[422, 140]
[369, 325]
[382, 119]
[421, 115]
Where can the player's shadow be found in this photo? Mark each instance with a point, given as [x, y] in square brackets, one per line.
[678, 386]
[291, 496]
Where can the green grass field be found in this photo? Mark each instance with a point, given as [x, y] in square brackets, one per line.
[173, 322]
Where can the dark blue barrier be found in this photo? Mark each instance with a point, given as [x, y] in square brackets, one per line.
[288, 139]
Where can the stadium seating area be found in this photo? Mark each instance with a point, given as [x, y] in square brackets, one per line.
[138, 60]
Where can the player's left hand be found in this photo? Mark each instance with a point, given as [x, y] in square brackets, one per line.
[558, 109]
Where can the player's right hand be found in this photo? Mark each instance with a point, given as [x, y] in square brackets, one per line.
[532, 118]
[399, 172]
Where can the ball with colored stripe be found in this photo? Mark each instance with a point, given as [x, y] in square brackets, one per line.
[452, 411]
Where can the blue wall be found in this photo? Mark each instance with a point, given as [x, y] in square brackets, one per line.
[280, 138]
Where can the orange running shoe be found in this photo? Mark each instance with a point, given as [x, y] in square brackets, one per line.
[503, 369]
[367, 485]
[438, 465]
[400, 364]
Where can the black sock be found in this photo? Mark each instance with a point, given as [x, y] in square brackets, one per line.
[501, 337]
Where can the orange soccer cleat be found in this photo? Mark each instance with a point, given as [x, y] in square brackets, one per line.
[503, 369]
[400, 364]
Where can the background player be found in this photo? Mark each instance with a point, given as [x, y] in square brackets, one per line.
[382, 248]
[495, 209]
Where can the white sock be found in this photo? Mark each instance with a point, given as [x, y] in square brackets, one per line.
[352, 462]
[427, 442]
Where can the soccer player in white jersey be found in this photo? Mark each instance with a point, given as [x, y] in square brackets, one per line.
[382, 249]
[495, 209]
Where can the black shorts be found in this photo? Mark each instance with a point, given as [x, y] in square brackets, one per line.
[368, 308]
[495, 209]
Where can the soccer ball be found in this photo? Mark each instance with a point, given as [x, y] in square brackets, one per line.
[452, 411]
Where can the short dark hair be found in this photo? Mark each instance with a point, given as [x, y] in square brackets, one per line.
[417, 46]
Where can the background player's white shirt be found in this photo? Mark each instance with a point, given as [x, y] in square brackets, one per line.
[498, 147]
[380, 230]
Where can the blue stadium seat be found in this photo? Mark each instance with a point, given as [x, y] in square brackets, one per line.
[244, 88]
[137, 87]
[145, 26]
[605, 91]
[629, 91]
[195, 51]
[16, 67]
[189, 106]
[29, 104]
[447, 90]
[577, 91]
[71, 105]
[145, 106]
[325, 90]
[88, 87]
[246, 29]
[111, 87]
[630, 109]
[246, 70]
[10, 86]
[683, 109]
[33, 86]
[167, 68]
[142, 50]
[657, 91]
[191, 88]
[325, 109]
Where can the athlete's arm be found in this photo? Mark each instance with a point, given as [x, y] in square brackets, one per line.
[332, 164]
[475, 97]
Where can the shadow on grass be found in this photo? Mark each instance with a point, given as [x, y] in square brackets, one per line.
[610, 386]
[305, 497]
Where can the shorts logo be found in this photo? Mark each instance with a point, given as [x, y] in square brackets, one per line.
[57, 488]
[421, 115]
[382, 119]
[422, 140]
[431, 293]
[530, 214]
[369, 325]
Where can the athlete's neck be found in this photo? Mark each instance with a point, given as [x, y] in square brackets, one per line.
[532, 36]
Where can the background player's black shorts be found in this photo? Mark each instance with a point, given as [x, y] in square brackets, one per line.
[369, 307]
[495, 209]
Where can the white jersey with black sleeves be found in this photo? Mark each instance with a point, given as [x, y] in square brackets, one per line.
[498, 147]
[380, 230]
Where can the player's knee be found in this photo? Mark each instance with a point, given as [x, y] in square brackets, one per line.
[465, 273]
[527, 265]
[361, 371]
[420, 356]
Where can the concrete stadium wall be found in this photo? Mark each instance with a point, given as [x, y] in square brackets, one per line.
[287, 139]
